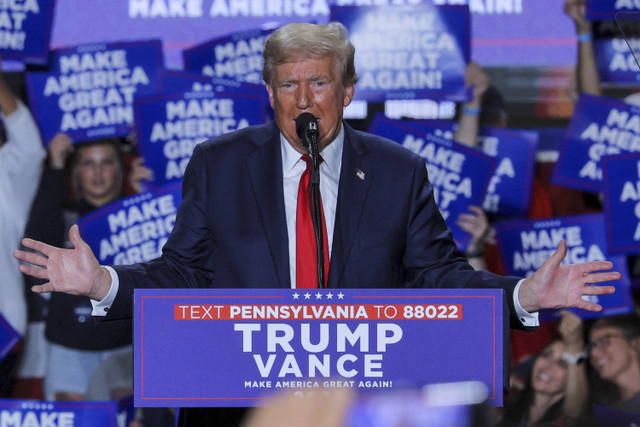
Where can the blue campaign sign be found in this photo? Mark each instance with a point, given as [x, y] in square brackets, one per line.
[182, 81]
[549, 142]
[459, 175]
[615, 61]
[509, 192]
[621, 175]
[408, 52]
[171, 81]
[598, 10]
[133, 229]
[525, 245]
[239, 347]
[89, 91]
[237, 56]
[8, 337]
[37, 413]
[169, 126]
[599, 126]
[26, 30]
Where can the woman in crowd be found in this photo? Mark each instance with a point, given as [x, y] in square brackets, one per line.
[554, 395]
[77, 342]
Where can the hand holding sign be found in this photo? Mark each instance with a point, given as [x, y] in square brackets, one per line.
[139, 173]
[475, 223]
[576, 10]
[60, 148]
[72, 271]
[556, 286]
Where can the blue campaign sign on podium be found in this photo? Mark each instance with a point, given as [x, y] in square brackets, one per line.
[239, 347]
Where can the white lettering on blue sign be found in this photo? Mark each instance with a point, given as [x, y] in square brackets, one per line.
[623, 62]
[621, 132]
[138, 232]
[96, 88]
[12, 16]
[165, 9]
[627, 4]
[549, 239]
[218, 107]
[191, 122]
[376, 2]
[262, 8]
[631, 191]
[529, 262]
[242, 47]
[483, 7]
[401, 51]
[538, 245]
[36, 419]
[155, 208]
[248, 69]
[280, 335]
[444, 166]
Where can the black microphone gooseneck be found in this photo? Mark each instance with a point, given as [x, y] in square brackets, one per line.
[307, 130]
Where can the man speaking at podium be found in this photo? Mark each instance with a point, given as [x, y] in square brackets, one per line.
[240, 224]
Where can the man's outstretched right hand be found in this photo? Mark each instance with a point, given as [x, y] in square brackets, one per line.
[71, 271]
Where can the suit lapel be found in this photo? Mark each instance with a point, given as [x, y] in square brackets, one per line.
[264, 167]
[355, 177]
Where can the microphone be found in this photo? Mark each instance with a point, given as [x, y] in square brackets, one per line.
[307, 128]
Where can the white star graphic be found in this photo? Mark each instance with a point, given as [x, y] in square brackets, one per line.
[329, 295]
[296, 295]
[318, 295]
[307, 295]
[340, 295]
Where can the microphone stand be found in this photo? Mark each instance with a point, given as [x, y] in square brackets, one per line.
[315, 204]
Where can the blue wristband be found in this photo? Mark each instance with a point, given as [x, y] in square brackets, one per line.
[584, 38]
[471, 111]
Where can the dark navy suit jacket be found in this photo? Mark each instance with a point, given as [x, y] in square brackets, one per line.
[230, 230]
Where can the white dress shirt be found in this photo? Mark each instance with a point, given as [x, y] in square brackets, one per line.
[292, 168]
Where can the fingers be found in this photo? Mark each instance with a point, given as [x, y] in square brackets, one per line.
[555, 260]
[589, 306]
[466, 218]
[37, 272]
[559, 254]
[466, 224]
[476, 209]
[74, 236]
[36, 246]
[42, 289]
[31, 258]
[598, 290]
[588, 267]
[601, 277]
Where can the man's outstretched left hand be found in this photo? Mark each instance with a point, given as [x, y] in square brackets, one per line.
[557, 286]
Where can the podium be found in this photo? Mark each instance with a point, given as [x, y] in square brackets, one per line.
[240, 347]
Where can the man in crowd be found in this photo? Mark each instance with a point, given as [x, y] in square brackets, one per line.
[236, 226]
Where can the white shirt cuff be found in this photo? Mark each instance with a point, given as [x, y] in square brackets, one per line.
[101, 308]
[529, 320]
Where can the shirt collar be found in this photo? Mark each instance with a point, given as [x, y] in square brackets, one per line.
[331, 155]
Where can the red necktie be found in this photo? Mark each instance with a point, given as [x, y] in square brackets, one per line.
[306, 253]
